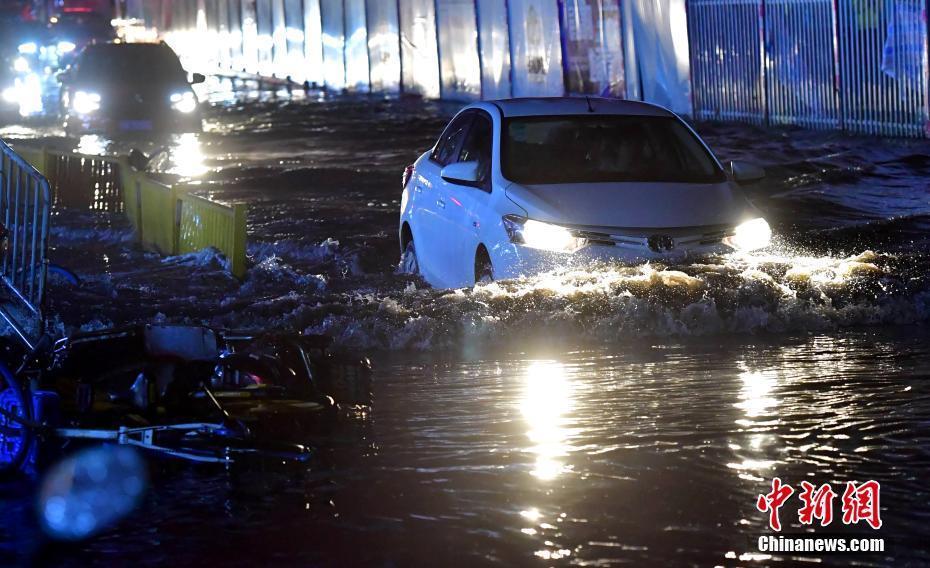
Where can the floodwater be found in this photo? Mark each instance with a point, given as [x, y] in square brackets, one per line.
[595, 415]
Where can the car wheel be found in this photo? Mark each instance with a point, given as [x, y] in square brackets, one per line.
[484, 271]
[409, 264]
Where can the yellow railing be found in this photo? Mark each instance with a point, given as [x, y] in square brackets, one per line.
[166, 219]
[203, 223]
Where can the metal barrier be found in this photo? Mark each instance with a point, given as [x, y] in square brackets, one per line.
[25, 207]
[726, 59]
[883, 66]
[801, 72]
[859, 65]
[165, 219]
[85, 182]
[203, 223]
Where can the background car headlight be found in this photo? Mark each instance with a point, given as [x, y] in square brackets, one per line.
[66, 46]
[751, 235]
[85, 103]
[10, 95]
[539, 235]
[20, 65]
[28, 48]
[184, 102]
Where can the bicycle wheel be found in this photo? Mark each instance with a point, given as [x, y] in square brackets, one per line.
[15, 413]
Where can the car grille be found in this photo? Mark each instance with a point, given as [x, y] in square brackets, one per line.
[642, 240]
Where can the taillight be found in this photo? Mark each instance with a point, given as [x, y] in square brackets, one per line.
[408, 174]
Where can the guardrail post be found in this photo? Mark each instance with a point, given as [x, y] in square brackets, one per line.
[763, 79]
[238, 258]
[926, 70]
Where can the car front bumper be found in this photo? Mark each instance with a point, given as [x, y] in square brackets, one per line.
[114, 125]
[513, 260]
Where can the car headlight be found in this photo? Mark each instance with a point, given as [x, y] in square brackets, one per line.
[184, 102]
[539, 235]
[85, 103]
[751, 235]
[28, 48]
[10, 95]
[66, 46]
[21, 65]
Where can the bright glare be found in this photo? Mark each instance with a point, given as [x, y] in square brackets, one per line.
[27, 93]
[66, 47]
[756, 392]
[85, 103]
[92, 145]
[20, 65]
[548, 237]
[751, 235]
[188, 160]
[9, 95]
[547, 400]
[184, 102]
[28, 48]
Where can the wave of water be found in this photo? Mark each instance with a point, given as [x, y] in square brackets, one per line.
[605, 303]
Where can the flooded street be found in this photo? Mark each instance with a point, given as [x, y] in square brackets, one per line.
[595, 415]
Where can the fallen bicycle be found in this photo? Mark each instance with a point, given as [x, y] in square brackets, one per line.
[188, 392]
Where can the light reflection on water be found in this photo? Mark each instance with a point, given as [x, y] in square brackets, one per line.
[653, 452]
[546, 405]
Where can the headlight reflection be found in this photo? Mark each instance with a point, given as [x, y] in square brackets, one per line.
[187, 159]
[546, 405]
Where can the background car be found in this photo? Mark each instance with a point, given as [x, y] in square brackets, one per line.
[23, 74]
[519, 186]
[129, 88]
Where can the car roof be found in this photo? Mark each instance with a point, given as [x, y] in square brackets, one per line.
[112, 47]
[549, 106]
[130, 51]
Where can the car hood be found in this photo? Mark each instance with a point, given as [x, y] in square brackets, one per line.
[120, 89]
[633, 205]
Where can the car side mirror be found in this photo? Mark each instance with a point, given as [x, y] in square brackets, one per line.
[197, 78]
[138, 160]
[744, 172]
[461, 173]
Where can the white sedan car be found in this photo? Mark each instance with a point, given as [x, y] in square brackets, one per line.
[517, 187]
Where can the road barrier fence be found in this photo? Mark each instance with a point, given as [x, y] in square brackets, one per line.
[165, 218]
[25, 208]
[859, 65]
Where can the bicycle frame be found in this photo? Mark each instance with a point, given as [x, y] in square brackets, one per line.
[145, 438]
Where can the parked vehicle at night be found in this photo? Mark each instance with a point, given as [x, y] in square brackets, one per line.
[119, 89]
[516, 187]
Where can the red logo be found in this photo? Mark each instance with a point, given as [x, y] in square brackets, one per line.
[860, 503]
[773, 501]
[817, 504]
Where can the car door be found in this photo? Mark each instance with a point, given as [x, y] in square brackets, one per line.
[430, 223]
[468, 206]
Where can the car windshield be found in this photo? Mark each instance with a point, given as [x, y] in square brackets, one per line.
[598, 149]
[112, 63]
[82, 28]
